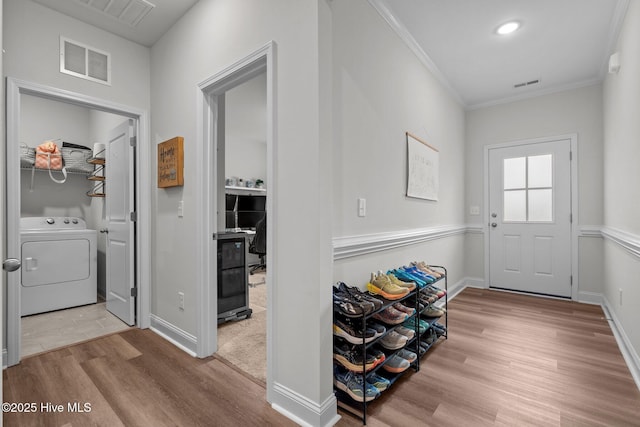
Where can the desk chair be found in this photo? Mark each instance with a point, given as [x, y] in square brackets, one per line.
[258, 245]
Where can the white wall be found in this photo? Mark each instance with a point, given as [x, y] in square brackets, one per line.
[209, 38]
[246, 130]
[32, 53]
[621, 178]
[43, 119]
[382, 90]
[575, 111]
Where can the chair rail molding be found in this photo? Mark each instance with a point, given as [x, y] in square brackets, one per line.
[351, 246]
[629, 241]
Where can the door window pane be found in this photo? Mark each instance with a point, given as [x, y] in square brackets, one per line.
[515, 173]
[515, 205]
[540, 171]
[541, 205]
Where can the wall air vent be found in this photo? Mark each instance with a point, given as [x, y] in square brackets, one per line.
[129, 12]
[525, 84]
[83, 61]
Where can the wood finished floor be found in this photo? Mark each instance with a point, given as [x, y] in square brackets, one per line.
[515, 360]
[135, 378]
[511, 360]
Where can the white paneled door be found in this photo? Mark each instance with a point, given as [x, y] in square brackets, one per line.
[120, 227]
[530, 217]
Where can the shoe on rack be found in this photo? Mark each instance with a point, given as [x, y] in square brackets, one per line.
[393, 341]
[391, 316]
[410, 302]
[365, 306]
[380, 329]
[362, 297]
[432, 311]
[353, 334]
[409, 333]
[431, 338]
[396, 364]
[409, 285]
[378, 354]
[401, 307]
[421, 265]
[381, 285]
[347, 307]
[406, 277]
[419, 273]
[421, 324]
[354, 386]
[409, 356]
[379, 382]
[351, 358]
[439, 329]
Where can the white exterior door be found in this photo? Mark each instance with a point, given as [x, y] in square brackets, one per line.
[119, 202]
[530, 218]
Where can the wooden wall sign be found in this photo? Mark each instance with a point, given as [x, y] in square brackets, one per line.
[171, 163]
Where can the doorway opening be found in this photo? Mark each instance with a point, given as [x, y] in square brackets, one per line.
[531, 204]
[256, 69]
[71, 218]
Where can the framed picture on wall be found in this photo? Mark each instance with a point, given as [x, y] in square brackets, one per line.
[171, 163]
[422, 169]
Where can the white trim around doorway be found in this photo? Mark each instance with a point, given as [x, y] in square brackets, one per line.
[16, 88]
[210, 187]
[573, 138]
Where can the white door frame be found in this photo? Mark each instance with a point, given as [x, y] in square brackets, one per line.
[16, 88]
[210, 191]
[573, 138]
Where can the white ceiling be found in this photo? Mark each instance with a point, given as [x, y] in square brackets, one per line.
[563, 43]
[157, 22]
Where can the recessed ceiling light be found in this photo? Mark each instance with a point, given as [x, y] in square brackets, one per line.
[508, 28]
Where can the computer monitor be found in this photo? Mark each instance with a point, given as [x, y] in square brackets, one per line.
[249, 219]
[251, 203]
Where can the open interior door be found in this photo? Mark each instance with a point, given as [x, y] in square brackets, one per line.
[120, 231]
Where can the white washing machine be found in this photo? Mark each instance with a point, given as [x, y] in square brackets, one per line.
[59, 260]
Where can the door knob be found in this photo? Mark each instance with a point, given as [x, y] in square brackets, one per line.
[494, 225]
[104, 230]
[11, 264]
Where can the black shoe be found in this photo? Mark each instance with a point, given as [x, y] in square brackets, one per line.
[347, 307]
[351, 358]
[358, 295]
[352, 334]
[366, 306]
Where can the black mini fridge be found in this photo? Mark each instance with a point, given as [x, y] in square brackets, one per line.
[233, 282]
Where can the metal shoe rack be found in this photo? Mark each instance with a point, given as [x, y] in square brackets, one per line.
[359, 409]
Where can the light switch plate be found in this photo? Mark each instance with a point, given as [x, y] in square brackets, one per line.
[362, 207]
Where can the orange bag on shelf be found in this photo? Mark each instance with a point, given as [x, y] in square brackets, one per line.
[48, 156]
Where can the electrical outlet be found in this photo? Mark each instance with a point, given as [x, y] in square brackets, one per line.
[181, 300]
[474, 210]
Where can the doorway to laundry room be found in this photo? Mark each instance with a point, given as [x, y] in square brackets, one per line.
[242, 268]
[71, 195]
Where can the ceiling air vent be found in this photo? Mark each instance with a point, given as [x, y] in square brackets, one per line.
[129, 12]
[83, 61]
[525, 84]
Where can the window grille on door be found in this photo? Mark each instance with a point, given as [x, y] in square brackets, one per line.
[528, 189]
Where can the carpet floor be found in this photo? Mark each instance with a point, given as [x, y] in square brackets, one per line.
[243, 343]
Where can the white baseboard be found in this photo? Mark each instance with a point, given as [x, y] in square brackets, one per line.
[590, 298]
[303, 410]
[181, 339]
[624, 343]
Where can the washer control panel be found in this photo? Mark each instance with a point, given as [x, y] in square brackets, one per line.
[52, 223]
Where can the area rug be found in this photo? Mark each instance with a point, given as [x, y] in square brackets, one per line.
[243, 343]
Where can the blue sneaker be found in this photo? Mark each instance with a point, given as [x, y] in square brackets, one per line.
[381, 383]
[406, 277]
[354, 386]
[419, 273]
